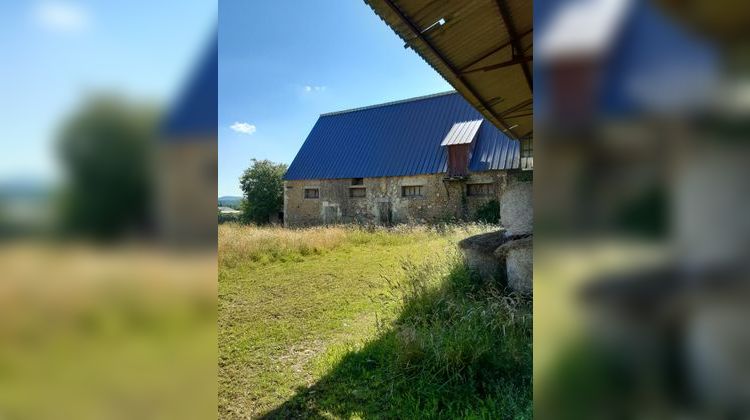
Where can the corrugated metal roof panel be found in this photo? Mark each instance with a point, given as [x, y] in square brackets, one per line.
[193, 116]
[397, 139]
[462, 132]
[483, 48]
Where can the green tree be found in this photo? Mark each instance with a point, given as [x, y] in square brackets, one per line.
[106, 149]
[263, 189]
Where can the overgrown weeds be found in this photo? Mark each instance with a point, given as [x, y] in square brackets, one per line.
[454, 347]
[240, 244]
[249, 243]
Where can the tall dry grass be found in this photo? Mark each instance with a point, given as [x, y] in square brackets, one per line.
[261, 244]
[257, 244]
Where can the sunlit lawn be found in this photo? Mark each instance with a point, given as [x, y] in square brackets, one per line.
[315, 323]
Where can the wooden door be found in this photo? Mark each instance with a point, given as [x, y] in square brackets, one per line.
[385, 213]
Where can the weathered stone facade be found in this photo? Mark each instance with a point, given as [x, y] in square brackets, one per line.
[384, 201]
[186, 175]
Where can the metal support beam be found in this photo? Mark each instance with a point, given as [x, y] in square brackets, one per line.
[518, 60]
[494, 50]
[514, 39]
[517, 107]
[417, 33]
[528, 114]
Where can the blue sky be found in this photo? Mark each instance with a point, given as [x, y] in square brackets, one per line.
[283, 63]
[54, 52]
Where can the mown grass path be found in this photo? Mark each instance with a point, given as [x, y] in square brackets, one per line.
[276, 318]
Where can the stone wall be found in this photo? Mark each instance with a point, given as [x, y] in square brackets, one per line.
[186, 176]
[517, 209]
[383, 202]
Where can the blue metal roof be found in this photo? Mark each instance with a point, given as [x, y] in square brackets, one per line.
[647, 69]
[398, 139]
[193, 116]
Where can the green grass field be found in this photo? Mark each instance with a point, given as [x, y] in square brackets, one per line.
[354, 323]
[92, 332]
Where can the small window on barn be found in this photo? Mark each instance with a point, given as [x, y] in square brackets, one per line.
[478, 190]
[312, 193]
[411, 191]
[358, 181]
[527, 153]
[357, 192]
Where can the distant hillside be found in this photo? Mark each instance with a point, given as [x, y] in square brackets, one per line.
[11, 189]
[26, 206]
[230, 201]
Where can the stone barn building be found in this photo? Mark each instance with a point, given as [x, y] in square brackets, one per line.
[187, 159]
[427, 159]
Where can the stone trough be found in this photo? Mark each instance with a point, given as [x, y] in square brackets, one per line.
[479, 254]
[518, 256]
[506, 254]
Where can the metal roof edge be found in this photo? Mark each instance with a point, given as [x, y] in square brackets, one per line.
[371, 177]
[400, 101]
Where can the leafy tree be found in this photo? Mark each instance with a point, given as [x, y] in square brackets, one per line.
[263, 189]
[106, 149]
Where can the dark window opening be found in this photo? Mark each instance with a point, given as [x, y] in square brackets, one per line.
[312, 193]
[358, 181]
[357, 192]
[527, 153]
[411, 191]
[480, 189]
[527, 148]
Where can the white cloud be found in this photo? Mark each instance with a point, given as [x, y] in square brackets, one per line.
[62, 16]
[309, 88]
[243, 127]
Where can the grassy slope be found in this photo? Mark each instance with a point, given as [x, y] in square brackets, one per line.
[117, 332]
[299, 335]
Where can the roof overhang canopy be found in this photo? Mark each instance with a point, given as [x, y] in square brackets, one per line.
[483, 48]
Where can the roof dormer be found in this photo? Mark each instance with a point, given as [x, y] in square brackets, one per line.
[460, 143]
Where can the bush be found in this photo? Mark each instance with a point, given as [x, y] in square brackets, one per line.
[228, 218]
[489, 212]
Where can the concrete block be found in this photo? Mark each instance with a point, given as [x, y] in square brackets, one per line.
[518, 256]
[516, 209]
[478, 251]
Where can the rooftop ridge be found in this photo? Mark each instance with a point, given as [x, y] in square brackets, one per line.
[400, 101]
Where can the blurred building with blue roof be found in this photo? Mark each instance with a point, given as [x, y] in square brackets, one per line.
[187, 164]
